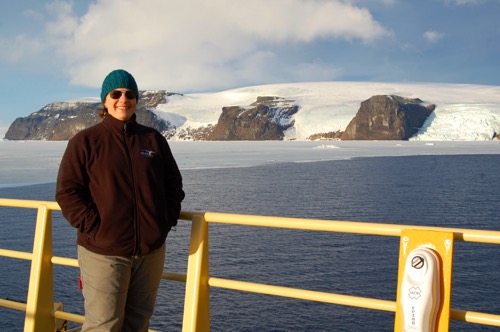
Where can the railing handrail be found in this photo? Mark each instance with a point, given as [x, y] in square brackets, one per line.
[463, 234]
[196, 312]
[27, 203]
[340, 226]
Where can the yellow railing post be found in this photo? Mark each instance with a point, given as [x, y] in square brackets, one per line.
[40, 302]
[196, 302]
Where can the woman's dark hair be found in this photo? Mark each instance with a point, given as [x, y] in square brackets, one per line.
[103, 112]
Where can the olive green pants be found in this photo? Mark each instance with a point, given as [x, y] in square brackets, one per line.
[120, 292]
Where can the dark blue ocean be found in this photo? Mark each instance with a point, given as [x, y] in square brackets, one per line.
[450, 191]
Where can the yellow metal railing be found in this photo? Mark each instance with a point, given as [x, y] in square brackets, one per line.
[40, 315]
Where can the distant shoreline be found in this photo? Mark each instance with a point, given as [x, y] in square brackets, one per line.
[33, 162]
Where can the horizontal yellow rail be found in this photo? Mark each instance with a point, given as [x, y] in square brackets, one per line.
[69, 316]
[64, 261]
[13, 305]
[347, 300]
[16, 254]
[475, 317]
[29, 204]
[174, 276]
[340, 226]
[303, 294]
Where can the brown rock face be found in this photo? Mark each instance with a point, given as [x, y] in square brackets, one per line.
[332, 135]
[387, 117]
[265, 119]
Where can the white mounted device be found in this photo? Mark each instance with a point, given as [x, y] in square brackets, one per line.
[420, 291]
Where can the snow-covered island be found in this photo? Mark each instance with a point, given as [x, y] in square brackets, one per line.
[462, 112]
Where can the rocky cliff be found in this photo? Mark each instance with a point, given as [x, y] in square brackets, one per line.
[387, 117]
[62, 120]
[265, 119]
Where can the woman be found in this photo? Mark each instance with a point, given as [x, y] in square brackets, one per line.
[120, 187]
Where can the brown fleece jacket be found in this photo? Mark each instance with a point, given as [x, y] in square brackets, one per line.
[120, 186]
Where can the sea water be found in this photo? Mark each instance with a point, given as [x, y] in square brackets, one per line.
[449, 191]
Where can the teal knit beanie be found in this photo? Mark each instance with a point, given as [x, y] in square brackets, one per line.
[118, 79]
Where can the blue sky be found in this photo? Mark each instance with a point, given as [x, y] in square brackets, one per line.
[61, 50]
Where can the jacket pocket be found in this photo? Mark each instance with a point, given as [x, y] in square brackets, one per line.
[91, 224]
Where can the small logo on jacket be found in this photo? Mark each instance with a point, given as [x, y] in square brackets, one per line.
[148, 153]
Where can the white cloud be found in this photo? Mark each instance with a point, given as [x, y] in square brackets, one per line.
[33, 15]
[195, 45]
[464, 2]
[19, 47]
[433, 36]
[383, 2]
[65, 22]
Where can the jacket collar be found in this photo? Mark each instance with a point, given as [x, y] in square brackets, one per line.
[117, 125]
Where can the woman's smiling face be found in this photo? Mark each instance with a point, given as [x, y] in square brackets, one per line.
[121, 104]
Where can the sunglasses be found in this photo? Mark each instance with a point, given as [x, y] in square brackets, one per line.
[116, 94]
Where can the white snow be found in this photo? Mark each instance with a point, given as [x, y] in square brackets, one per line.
[472, 122]
[463, 111]
[85, 100]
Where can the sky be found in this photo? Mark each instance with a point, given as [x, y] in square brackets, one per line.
[62, 50]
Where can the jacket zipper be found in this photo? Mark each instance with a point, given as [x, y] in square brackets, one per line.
[134, 195]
